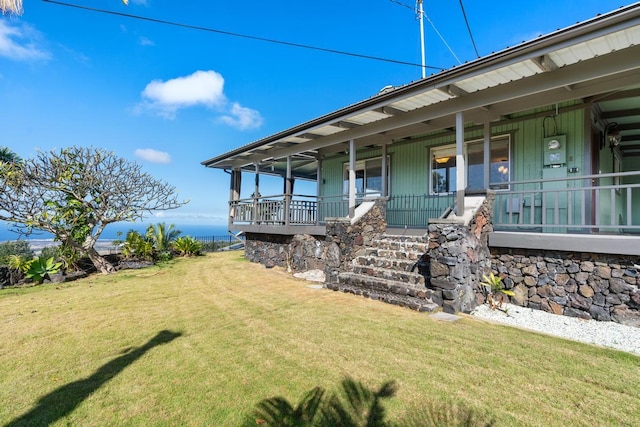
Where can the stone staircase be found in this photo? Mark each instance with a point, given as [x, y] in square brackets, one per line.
[383, 272]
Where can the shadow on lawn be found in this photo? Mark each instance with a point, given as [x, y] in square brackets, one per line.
[64, 400]
[356, 405]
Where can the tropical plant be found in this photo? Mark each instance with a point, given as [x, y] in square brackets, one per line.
[76, 192]
[40, 268]
[8, 156]
[68, 256]
[18, 247]
[136, 246]
[497, 292]
[355, 405]
[187, 246]
[18, 263]
[162, 236]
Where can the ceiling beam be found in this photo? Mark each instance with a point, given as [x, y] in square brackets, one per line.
[628, 126]
[545, 63]
[344, 125]
[390, 111]
[614, 95]
[620, 113]
[453, 90]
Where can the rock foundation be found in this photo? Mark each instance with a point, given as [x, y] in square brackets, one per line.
[584, 285]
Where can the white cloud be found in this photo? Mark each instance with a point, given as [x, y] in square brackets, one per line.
[200, 88]
[153, 156]
[144, 41]
[10, 46]
[242, 118]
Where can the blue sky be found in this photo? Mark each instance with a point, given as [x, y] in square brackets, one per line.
[169, 97]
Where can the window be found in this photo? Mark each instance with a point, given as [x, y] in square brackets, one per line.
[368, 177]
[443, 166]
[443, 169]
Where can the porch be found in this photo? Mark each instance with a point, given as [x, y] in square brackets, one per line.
[600, 212]
[305, 214]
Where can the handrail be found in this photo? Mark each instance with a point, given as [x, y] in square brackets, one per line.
[584, 208]
[569, 178]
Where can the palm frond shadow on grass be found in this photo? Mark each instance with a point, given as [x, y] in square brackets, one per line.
[357, 406]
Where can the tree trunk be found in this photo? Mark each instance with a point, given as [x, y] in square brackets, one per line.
[100, 263]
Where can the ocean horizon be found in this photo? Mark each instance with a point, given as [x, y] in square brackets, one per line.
[119, 231]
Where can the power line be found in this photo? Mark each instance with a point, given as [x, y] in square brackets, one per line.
[432, 25]
[233, 34]
[469, 29]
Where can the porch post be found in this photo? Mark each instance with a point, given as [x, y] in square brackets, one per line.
[256, 194]
[487, 154]
[461, 167]
[384, 170]
[287, 192]
[234, 194]
[318, 189]
[352, 178]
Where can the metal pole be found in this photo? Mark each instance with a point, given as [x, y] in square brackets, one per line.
[421, 20]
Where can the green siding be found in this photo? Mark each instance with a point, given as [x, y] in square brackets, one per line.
[409, 162]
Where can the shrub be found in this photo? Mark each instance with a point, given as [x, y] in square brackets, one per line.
[19, 247]
[136, 246]
[497, 292]
[187, 246]
[68, 256]
[40, 268]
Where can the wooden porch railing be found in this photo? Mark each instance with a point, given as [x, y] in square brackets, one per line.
[402, 210]
[603, 203]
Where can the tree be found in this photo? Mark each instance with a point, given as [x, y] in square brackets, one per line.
[162, 236]
[11, 6]
[8, 156]
[76, 192]
[15, 6]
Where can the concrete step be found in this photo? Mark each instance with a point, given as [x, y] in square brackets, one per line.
[386, 270]
[389, 291]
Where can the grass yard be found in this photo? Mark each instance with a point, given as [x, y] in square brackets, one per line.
[200, 341]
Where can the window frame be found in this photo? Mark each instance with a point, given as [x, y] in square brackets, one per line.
[361, 165]
[443, 147]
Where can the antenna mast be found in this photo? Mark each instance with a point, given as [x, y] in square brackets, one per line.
[421, 20]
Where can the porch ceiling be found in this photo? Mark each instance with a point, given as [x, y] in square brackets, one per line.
[597, 61]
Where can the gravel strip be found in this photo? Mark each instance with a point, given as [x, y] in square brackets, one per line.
[606, 334]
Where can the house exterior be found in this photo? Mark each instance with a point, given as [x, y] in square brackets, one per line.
[529, 159]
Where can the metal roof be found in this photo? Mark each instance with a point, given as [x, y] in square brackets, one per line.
[589, 58]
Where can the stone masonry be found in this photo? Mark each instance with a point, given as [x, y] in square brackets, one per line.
[459, 257]
[585, 285]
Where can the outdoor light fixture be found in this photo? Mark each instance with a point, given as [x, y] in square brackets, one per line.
[611, 136]
[442, 160]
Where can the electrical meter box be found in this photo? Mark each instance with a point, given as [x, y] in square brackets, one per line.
[555, 151]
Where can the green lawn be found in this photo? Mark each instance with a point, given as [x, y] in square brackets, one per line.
[200, 341]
